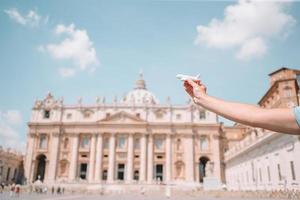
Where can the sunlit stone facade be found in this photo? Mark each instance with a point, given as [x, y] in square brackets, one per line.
[265, 160]
[135, 140]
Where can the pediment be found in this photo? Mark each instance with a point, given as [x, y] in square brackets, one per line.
[122, 117]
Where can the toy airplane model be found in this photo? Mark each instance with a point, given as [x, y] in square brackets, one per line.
[186, 77]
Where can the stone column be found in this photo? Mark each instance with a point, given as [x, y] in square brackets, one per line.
[111, 161]
[189, 158]
[143, 158]
[29, 154]
[150, 159]
[168, 158]
[54, 148]
[99, 155]
[74, 157]
[130, 158]
[92, 158]
[215, 147]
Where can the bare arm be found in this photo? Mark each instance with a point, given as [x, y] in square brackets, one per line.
[279, 119]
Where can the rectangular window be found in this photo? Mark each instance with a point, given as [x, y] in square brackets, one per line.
[136, 175]
[279, 172]
[293, 171]
[84, 142]
[69, 115]
[105, 143]
[202, 114]
[43, 142]
[269, 174]
[104, 175]
[137, 143]
[121, 142]
[178, 116]
[121, 172]
[158, 143]
[83, 170]
[204, 143]
[159, 172]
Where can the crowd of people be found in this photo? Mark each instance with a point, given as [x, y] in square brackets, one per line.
[15, 190]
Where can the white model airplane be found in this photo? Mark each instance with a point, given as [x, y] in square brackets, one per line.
[187, 77]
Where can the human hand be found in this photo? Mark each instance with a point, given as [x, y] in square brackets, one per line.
[195, 89]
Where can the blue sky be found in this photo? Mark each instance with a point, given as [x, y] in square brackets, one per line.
[114, 40]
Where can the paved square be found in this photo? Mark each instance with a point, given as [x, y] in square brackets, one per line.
[152, 196]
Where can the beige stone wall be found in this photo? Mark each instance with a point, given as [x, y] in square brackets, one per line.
[10, 162]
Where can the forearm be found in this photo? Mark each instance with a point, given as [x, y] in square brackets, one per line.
[280, 120]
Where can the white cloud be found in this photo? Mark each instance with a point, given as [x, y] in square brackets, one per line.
[12, 117]
[247, 26]
[76, 46]
[9, 122]
[31, 19]
[255, 47]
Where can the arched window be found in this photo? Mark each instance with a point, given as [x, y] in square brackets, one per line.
[204, 145]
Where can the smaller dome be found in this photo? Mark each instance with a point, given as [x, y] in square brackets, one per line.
[140, 95]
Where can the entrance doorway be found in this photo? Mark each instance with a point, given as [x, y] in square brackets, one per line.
[159, 172]
[121, 172]
[202, 167]
[83, 170]
[41, 166]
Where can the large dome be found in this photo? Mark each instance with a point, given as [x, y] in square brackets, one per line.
[140, 95]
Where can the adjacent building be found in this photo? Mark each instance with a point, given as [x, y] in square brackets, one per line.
[11, 166]
[266, 160]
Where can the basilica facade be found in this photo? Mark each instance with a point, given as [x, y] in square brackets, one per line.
[135, 140]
